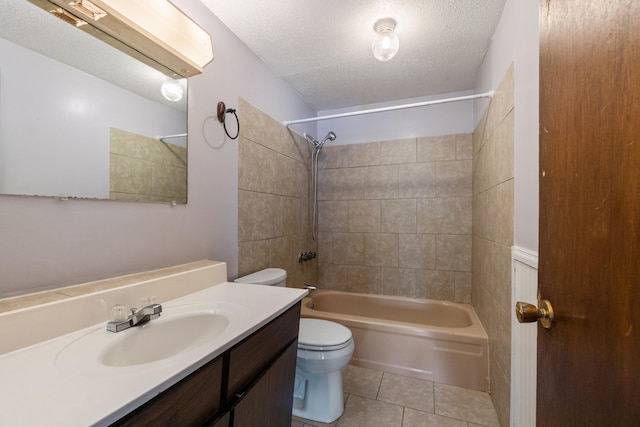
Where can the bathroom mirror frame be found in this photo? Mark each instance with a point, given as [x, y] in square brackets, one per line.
[33, 161]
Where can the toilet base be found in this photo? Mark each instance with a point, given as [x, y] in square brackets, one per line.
[323, 397]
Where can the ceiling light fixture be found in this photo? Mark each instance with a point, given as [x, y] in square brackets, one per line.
[386, 44]
[172, 91]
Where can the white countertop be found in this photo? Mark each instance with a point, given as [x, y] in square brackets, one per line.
[37, 387]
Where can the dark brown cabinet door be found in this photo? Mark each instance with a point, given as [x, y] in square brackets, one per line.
[269, 402]
[191, 402]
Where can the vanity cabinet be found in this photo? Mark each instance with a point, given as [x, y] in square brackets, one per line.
[250, 384]
[269, 402]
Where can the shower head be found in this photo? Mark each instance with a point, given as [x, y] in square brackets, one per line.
[330, 136]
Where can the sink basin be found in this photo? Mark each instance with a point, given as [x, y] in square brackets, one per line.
[158, 339]
[181, 329]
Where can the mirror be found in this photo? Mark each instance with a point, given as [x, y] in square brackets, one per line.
[81, 119]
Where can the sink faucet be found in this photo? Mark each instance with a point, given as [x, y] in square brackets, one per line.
[137, 317]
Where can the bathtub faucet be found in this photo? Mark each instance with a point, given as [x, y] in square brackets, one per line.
[310, 288]
[306, 256]
[137, 317]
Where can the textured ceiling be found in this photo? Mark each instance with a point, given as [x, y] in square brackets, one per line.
[323, 47]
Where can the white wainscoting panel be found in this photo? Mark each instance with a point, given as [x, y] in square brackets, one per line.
[524, 287]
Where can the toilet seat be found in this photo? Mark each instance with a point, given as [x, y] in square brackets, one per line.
[322, 335]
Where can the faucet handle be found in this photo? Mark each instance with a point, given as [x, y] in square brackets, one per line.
[148, 300]
[118, 313]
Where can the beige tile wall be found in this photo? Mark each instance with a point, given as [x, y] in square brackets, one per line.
[493, 178]
[394, 217]
[273, 202]
[143, 169]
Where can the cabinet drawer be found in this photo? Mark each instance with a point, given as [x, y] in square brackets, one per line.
[252, 356]
[193, 401]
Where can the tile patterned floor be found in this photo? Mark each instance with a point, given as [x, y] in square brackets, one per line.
[381, 399]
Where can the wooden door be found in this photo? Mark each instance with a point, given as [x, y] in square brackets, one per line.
[589, 269]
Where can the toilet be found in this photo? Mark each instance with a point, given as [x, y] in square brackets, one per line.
[324, 348]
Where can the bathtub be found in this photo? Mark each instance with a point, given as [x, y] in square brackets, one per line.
[433, 340]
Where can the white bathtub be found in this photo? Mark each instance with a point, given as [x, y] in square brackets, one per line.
[438, 341]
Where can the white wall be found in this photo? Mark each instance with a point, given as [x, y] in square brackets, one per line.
[516, 40]
[67, 152]
[434, 120]
[48, 243]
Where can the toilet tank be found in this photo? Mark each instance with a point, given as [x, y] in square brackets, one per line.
[268, 276]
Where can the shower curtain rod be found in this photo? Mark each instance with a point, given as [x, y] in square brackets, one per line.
[177, 135]
[392, 108]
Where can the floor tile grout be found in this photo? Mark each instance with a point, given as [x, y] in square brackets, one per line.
[452, 405]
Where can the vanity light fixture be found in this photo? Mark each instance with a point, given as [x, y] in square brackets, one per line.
[386, 43]
[58, 12]
[154, 29]
[88, 9]
[171, 90]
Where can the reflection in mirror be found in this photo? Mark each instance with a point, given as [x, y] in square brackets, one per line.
[79, 118]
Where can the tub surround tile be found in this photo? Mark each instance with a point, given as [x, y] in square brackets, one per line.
[381, 250]
[364, 280]
[416, 180]
[398, 151]
[364, 216]
[381, 182]
[406, 391]
[398, 282]
[493, 148]
[417, 251]
[398, 216]
[463, 287]
[253, 255]
[365, 154]
[436, 148]
[435, 284]
[453, 179]
[273, 205]
[479, 133]
[444, 215]
[494, 162]
[348, 248]
[464, 146]
[469, 405]
[334, 157]
[333, 216]
[333, 277]
[400, 211]
[453, 252]
[253, 170]
[325, 247]
[502, 102]
[341, 184]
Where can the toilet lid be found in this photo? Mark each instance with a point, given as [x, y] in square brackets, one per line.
[317, 334]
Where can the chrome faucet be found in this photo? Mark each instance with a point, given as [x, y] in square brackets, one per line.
[137, 317]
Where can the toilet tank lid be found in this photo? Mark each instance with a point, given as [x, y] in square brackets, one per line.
[268, 276]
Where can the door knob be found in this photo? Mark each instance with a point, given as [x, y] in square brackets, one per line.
[528, 313]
